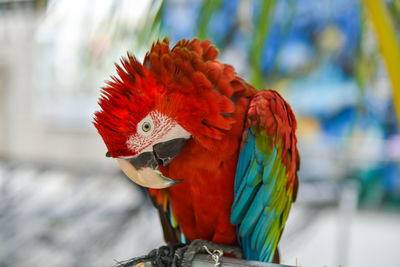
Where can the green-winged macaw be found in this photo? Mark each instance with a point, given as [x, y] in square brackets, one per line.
[219, 157]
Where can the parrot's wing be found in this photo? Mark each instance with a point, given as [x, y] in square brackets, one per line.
[266, 177]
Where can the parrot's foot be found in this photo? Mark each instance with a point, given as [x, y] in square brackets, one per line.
[161, 257]
[185, 255]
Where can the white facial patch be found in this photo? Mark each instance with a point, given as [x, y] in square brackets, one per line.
[155, 128]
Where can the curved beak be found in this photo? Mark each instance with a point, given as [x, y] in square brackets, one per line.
[143, 168]
[146, 176]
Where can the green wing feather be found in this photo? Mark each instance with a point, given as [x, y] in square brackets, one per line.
[266, 179]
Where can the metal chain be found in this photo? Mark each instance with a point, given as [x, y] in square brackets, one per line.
[215, 255]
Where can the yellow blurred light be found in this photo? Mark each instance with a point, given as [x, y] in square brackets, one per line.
[388, 45]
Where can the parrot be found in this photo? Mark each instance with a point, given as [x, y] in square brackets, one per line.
[219, 158]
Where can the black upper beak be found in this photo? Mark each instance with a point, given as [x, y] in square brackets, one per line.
[166, 151]
[162, 154]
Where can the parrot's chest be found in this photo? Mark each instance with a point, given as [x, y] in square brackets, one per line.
[202, 202]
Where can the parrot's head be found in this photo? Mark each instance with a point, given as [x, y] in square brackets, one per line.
[149, 111]
[138, 124]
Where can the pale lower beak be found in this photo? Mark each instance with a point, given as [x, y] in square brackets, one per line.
[146, 176]
[143, 168]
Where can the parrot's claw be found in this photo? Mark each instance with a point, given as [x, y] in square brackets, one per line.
[180, 255]
[161, 257]
[185, 255]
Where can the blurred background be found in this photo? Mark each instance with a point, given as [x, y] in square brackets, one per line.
[337, 62]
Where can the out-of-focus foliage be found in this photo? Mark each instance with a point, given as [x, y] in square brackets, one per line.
[325, 58]
[390, 50]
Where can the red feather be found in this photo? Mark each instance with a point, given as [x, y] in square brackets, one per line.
[205, 97]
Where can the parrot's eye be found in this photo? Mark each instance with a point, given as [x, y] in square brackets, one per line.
[146, 126]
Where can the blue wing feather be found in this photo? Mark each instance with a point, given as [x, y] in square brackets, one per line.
[266, 180]
[250, 219]
[256, 188]
[246, 158]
